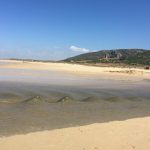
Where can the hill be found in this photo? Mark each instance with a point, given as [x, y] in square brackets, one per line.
[126, 56]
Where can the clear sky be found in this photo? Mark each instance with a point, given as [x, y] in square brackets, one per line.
[56, 29]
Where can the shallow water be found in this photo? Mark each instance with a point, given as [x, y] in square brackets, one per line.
[34, 100]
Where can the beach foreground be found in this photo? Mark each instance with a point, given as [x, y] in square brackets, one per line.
[130, 134]
[53, 106]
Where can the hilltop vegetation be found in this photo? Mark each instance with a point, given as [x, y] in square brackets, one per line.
[126, 56]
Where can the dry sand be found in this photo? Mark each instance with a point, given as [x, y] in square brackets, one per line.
[105, 72]
[131, 134]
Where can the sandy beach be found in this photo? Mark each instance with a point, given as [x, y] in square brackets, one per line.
[118, 135]
[53, 106]
[107, 72]
[74, 75]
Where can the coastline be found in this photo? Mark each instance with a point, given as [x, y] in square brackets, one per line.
[108, 107]
[124, 135]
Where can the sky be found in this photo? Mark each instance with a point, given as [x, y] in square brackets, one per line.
[57, 29]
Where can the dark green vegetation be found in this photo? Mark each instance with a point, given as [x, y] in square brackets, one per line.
[125, 56]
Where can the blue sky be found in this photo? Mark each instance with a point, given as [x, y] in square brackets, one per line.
[56, 29]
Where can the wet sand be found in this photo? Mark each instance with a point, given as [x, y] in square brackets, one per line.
[64, 98]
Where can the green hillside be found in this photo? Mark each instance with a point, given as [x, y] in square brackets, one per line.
[127, 56]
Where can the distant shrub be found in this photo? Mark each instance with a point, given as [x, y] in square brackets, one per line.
[147, 68]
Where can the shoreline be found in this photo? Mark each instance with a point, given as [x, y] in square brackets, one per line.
[71, 106]
[123, 135]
